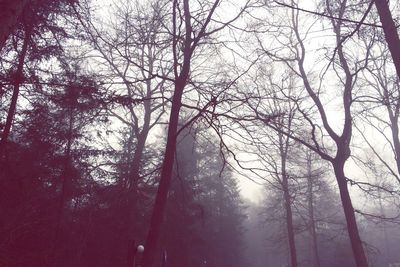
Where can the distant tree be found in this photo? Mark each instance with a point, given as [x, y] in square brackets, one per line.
[346, 72]
[204, 216]
[312, 176]
[282, 176]
[132, 56]
[380, 96]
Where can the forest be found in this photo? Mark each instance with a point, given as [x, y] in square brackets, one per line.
[191, 133]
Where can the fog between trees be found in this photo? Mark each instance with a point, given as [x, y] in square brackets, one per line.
[129, 123]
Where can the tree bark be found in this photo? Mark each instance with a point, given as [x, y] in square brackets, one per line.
[289, 222]
[137, 162]
[392, 106]
[342, 141]
[189, 44]
[310, 184]
[393, 41]
[10, 10]
[65, 179]
[17, 80]
[390, 30]
[165, 180]
[283, 147]
[394, 127]
[352, 228]
[133, 190]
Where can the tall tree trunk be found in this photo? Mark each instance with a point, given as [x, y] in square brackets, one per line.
[17, 80]
[393, 41]
[181, 77]
[132, 193]
[289, 223]
[310, 184]
[352, 228]
[135, 168]
[65, 189]
[393, 112]
[390, 30]
[342, 141]
[394, 127]
[283, 147]
[165, 180]
[10, 10]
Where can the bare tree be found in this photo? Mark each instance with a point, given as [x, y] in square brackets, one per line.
[190, 30]
[346, 74]
[285, 121]
[380, 97]
[311, 177]
[132, 60]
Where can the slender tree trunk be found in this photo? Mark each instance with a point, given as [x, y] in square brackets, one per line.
[289, 222]
[386, 253]
[393, 112]
[390, 30]
[135, 169]
[65, 189]
[181, 77]
[313, 232]
[165, 180]
[342, 141]
[220, 223]
[10, 10]
[283, 147]
[65, 177]
[18, 78]
[132, 193]
[394, 126]
[352, 228]
[393, 41]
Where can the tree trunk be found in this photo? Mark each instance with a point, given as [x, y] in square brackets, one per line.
[313, 232]
[165, 180]
[135, 168]
[189, 45]
[393, 41]
[356, 243]
[65, 179]
[289, 223]
[17, 80]
[390, 30]
[283, 147]
[394, 127]
[10, 10]
[393, 112]
[342, 141]
[133, 191]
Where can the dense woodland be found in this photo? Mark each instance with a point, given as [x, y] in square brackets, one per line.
[128, 122]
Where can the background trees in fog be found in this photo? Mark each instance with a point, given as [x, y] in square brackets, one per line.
[128, 122]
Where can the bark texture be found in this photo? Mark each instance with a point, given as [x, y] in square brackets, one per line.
[287, 199]
[352, 228]
[310, 184]
[390, 30]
